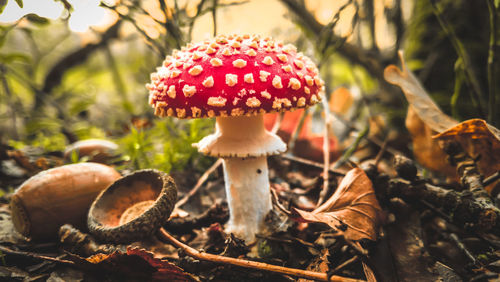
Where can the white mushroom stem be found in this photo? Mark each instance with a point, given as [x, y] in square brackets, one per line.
[248, 195]
[244, 144]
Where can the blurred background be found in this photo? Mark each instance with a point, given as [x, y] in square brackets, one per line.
[76, 69]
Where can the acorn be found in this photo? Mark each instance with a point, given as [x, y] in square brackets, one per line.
[133, 207]
[58, 196]
[97, 150]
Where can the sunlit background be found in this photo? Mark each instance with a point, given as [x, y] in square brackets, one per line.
[263, 17]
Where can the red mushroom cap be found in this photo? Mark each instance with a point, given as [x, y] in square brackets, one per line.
[234, 76]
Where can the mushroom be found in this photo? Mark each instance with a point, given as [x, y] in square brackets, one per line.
[237, 79]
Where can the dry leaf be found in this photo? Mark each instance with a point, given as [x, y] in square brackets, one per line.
[424, 119]
[353, 210]
[340, 101]
[308, 145]
[478, 138]
[427, 150]
[416, 95]
[136, 264]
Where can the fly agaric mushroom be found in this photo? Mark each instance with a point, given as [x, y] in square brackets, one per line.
[237, 79]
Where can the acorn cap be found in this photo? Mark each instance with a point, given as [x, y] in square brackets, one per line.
[234, 76]
[133, 207]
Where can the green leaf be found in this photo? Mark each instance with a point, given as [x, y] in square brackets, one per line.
[20, 3]
[36, 19]
[3, 3]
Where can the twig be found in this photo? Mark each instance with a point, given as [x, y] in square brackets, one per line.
[280, 206]
[214, 16]
[344, 264]
[459, 209]
[492, 178]
[348, 153]
[469, 174]
[218, 212]
[250, 264]
[35, 256]
[491, 64]
[311, 163]
[172, 27]
[381, 151]
[373, 63]
[200, 182]
[470, 75]
[326, 152]
[199, 9]
[462, 247]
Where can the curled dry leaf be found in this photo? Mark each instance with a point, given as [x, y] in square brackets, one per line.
[353, 210]
[424, 119]
[135, 264]
[427, 150]
[478, 138]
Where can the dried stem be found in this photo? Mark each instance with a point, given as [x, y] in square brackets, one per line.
[250, 264]
[492, 178]
[214, 16]
[491, 64]
[326, 152]
[200, 182]
[348, 153]
[462, 247]
[35, 256]
[311, 163]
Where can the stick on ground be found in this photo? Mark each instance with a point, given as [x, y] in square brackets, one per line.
[250, 264]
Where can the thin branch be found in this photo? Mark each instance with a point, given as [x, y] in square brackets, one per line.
[199, 9]
[55, 74]
[214, 16]
[492, 178]
[250, 264]
[373, 63]
[348, 153]
[491, 64]
[200, 183]
[311, 163]
[326, 151]
[35, 256]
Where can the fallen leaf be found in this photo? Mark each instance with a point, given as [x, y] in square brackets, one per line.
[425, 149]
[308, 145]
[135, 264]
[340, 101]
[478, 138]
[418, 98]
[424, 119]
[353, 210]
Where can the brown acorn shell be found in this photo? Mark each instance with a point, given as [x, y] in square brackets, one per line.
[134, 207]
[58, 196]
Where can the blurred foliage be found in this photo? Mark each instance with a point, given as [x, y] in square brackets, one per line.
[57, 86]
[165, 146]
